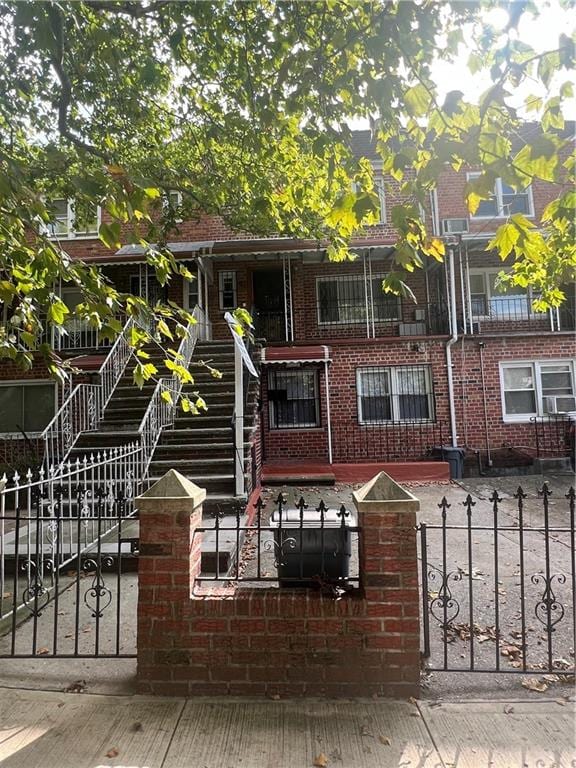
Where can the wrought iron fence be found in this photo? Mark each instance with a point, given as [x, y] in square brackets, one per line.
[389, 441]
[292, 546]
[63, 538]
[269, 325]
[491, 617]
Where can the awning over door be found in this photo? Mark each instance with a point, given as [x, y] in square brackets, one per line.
[295, 355]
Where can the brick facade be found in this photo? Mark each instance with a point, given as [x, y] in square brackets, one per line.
[276, 641]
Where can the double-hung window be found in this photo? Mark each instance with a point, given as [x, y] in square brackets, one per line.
[70, 220]
[293, 398]
[504, 201]
[490, 298]
[26, 407]
[400, 393]
[346, 299]
[227, 290]
[537, 388]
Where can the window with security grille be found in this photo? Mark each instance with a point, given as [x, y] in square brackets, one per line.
[293, 398]
[394, 394]
[347, 299]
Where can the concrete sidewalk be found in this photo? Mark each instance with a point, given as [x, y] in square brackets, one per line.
[42, 729]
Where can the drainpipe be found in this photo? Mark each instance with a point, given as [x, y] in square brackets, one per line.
[486, 432]
[328, 417]
[452, 340]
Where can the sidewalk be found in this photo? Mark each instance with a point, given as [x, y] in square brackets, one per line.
[43, 729]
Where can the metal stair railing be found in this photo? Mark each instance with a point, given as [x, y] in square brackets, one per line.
[82, 411]
[161, 412]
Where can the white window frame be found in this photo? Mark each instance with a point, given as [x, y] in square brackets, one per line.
[380, 190]
[486, 272]
[175, 205]
[70, 234]
[272, 415]
[501, 213]
[392, 372]
[536, 366]
[366, 283]
[30, 383]
[221, 288]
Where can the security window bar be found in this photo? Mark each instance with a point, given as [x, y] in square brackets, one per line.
[26, 407]
[293, 398]
[504, 202]
[398, 394]
[228, 291]
[533, 389]
[347, 299]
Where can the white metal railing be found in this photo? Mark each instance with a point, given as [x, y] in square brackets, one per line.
[161, 412]
[49, 518]
[83, 410]
[80, 412]
[79, 334]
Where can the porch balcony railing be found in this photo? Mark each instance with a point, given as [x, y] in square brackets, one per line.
[513, 314]
[386, 317]
[80, 335]
[269, 325]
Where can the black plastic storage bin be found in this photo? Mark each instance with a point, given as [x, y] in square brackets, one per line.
[308, 552]
[454, 457]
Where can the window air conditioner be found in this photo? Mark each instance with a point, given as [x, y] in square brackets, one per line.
[419, 315]
[454, 226]
[559, 404]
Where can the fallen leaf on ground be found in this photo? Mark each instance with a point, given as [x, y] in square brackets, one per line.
[137, 726]
[364, 731]
[533, 684]
[78, 686]
[112, 752]
[320, 761]
[384, 740]
[42, 651]
[6, 595]
[508, 709]
[412, 700]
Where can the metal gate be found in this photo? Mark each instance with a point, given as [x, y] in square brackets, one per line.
[499, 593]
[68, 547]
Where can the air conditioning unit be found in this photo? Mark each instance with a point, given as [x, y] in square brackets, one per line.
[454, 226]
[559, 404]
[420, 315]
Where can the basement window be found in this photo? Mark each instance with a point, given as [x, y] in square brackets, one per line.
[26, 407]
[293, 399]
[399, 394]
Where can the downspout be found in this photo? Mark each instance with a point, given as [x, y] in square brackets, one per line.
[462, 291]
[328, 416]
[486, 432]
[452, 340]
[366, 296]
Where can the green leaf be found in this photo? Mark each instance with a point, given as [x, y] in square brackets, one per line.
[417, 100]
[57, 312]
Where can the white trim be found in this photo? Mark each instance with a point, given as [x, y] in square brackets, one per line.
[394, 393]
[70, 234]
[498, 195]
[536, 366]
[30, 383]
[221, 274]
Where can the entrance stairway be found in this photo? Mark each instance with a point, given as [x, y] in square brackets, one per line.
[201, 447]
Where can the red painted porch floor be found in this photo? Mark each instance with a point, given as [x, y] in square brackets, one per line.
[314, 472]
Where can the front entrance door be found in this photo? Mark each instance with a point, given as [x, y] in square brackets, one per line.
[269, 316]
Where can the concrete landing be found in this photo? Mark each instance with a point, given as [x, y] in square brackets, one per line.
[39, 729]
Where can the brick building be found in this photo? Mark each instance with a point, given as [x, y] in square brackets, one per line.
[349, 374]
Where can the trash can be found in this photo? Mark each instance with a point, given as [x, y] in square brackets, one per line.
[454, 457]
[309, 550]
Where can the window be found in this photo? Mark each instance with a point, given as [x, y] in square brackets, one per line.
[379, 189]
[28, 407]
[69, 220]
[227, 290]
[172, 202]
[348, 298]
[293, 399]
[504, 202]
[537, 388]
[394, 394]
[497, 301]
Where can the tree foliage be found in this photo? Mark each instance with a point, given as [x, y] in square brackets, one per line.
[245, 108]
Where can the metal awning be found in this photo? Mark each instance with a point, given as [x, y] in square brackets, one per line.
[295, 355]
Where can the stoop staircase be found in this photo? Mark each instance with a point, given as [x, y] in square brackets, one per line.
[201, 447]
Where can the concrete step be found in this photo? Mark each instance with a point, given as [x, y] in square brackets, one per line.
[221, 484]
[105, 439]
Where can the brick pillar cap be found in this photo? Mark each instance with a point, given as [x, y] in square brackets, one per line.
[383, 494]
[174, 486]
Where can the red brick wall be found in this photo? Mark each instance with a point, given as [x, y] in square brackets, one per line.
[271, 641]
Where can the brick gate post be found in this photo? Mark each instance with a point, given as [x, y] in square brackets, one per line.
[389, 572]
[169, 561]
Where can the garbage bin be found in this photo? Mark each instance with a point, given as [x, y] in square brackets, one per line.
[309, 550]
[454, 457]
